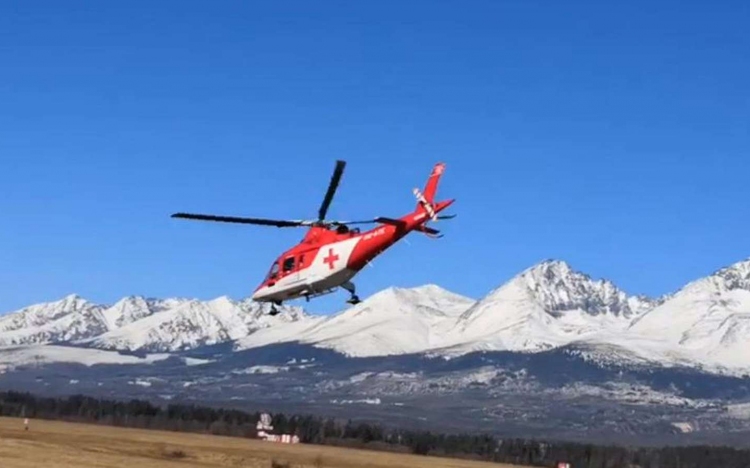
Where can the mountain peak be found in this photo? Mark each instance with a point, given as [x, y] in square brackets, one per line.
[735, 276]
[430, 288]
[426, 290]
[558, 288]
[127, 310]
[71, 298]
[552, 262]
[549, 269]
[222, 300]
[130, 299]
[431, 292]
[732, 277]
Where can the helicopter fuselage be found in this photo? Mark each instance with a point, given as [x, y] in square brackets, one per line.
[331, 252]
[328, 258]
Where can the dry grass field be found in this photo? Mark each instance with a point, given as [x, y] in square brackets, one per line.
[53, 444]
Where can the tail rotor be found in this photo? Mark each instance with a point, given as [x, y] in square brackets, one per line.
[426, 202]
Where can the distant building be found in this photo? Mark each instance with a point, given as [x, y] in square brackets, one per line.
[264, 429]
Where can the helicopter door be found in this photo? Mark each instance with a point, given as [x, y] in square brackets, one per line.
[300, 266]
[289, 268]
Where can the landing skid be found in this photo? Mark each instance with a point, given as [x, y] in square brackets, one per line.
[314, 294]
[274, 311]
[348, 286]
[354, 299]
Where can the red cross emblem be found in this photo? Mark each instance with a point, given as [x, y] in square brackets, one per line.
[330, 259]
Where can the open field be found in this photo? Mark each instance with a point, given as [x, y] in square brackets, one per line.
[54, 444]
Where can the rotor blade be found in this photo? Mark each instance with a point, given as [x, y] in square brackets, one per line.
[234, 219]
[366, 221]
[332, 186]
[385, 220]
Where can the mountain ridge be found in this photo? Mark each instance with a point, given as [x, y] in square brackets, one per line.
[546, 306]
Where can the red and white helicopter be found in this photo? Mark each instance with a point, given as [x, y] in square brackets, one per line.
[331, 253]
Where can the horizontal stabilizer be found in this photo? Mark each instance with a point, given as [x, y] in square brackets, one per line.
[434, 233]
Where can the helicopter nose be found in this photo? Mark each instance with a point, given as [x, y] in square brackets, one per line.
[260, 293]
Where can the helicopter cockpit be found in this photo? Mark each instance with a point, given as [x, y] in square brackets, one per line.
[344, 229]
[280, 268]
[273, 272]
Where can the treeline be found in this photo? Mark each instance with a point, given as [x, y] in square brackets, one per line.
[317, 430]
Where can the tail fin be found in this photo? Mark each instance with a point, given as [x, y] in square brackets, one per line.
[425, 200]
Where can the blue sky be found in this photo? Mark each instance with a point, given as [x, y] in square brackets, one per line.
[613, 136]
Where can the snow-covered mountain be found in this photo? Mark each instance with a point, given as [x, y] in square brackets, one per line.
[708, 320]
[706, 324]
[137, 323]
[393, 321]
[68, 319]
[130, 309]
[544, 307]
[563, 352]
[192, 323]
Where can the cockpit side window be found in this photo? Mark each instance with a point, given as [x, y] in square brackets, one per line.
[274, 271]
[288, 264]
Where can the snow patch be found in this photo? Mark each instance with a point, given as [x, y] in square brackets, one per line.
[38, 355]
[261, 370]
[366, 401]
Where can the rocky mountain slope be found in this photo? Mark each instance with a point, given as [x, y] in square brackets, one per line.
[69, 319]
[139, 324]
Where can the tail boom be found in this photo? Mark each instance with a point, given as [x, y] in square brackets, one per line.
[376, 240]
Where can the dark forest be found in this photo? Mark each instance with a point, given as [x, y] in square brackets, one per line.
[317, 430]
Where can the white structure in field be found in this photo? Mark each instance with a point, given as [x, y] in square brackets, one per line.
[264, 427]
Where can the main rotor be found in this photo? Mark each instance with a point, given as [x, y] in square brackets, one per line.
[338, 171]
